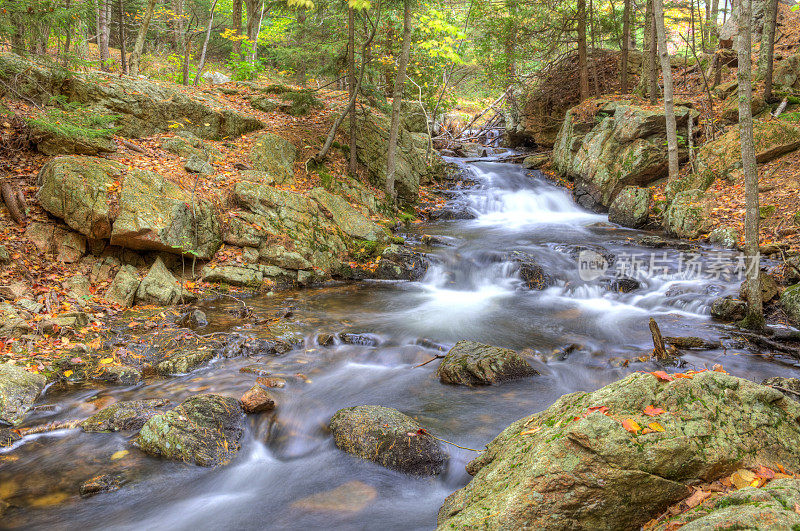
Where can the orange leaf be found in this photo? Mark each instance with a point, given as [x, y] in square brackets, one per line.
[655, 426]
[764, 472]
[663, 376]
[696, 498]
[631, 425]
[651, 411]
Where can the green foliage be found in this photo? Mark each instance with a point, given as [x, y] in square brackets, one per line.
[240, 64]
[68, 119]
[302, 101]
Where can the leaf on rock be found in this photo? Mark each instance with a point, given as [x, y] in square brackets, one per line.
[631, 425]
[744, 478]
[697, 497]
[651, 411]
[663, 376]
[655, 426]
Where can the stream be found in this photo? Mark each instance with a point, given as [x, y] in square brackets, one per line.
[472, 291]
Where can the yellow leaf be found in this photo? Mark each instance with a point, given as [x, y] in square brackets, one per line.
[119, 455]
[67, 373]
[655, 426]
[743, 478]
[106, 361]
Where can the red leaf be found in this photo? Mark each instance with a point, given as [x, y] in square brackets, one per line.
[651, 411]
[663, 376]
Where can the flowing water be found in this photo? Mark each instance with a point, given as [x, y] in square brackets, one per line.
[472, 291]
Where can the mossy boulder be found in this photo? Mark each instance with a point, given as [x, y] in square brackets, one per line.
[124, 286]
[203, 429]
[389, 438]
[185, 361]
[144, 107]
[124, 416]
[275, 156]
[722, 158]
[729, 111]
[157, 215]
[688, 215]
[19, 389]
[622, 145]
[728, 309]
[727, 237]
[54, 141]
[631, 208]
[790, 301]
[76, 189]
[769, 507]
[159, 286]
[472, 363]
[411, 168]
[769, 288]
[576, 466]
[349, 220]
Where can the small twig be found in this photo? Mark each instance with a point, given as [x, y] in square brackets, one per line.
[436, 357]
[53, 426]
[426, 432]
[784, 390]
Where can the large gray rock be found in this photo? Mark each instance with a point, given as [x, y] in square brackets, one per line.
[124, 286]
[471, 363]
[76, 189]
[790, 301]
[275, 156]
[626, 147]
[349, 220]
[631, 208]
[18, 391]
[203, 429]
[389, 438]
[159, 286]
[577, 466]
[157, 215]
[688, 215]
[411, 169]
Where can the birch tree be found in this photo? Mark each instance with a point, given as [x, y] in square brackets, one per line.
[397, 100]
[669, 104]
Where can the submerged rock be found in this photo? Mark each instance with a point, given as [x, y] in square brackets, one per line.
[124, 416]
[471, 363]
[572, 466]
[102, 483]
[19, 389]
[389, 438]
[203, 429]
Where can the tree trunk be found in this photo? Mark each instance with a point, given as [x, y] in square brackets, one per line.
[669, 106]
[254, 56]
[68, 36]
[236, 15]
[103, 33]
[351, 84]
[205, 45]
[397, 100]
[583, 65]
[122, 52]
[138, 47]
[653, 77]
[765, 56]
[645, 80]
[300, 72]
[177, 24]
[755, 315]
[626, 42]
[187, 53]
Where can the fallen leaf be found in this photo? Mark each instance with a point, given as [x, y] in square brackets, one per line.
[631, 425]
[743, 478]
[67, 373]
[696, 498]
[765, 473]
[106, 361]
[662, 376]
[655, 426]
[651, 411]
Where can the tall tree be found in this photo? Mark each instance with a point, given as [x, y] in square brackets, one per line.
[122, 52]
[648, 84]
[669, 105]
[205, 44]
[138, 47]
[755, 314]
[626, 43]
[397, 100]
[103, 32]
[767, 51]
[236, 22]
[583, 64]
[351, 83]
